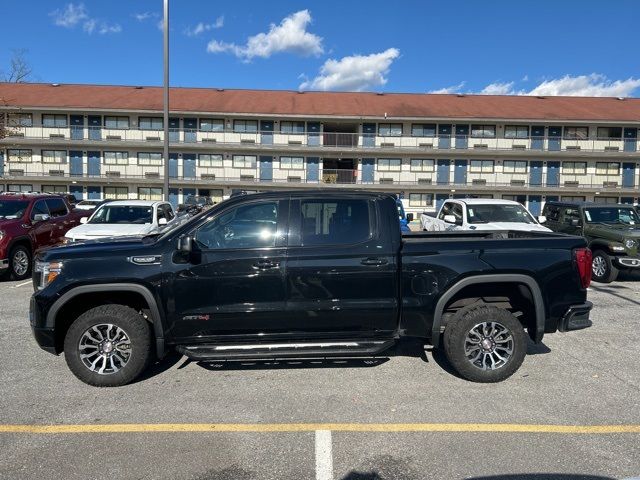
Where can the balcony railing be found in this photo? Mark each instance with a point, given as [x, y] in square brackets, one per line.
[325, 140]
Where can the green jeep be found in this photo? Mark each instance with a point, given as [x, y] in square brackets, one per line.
[612, 230]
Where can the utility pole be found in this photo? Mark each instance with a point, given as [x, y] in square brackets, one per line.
[165, 92]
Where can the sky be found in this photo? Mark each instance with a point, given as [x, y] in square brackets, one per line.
[544, 47]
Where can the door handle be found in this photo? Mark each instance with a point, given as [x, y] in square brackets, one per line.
[374, 261]
[265, 264]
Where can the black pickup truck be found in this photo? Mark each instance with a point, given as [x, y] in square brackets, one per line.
[306, 275]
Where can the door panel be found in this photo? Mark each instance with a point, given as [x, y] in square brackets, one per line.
[368, 134]
[630, 139]
[266, 132]
[462, 136]
[338, 280]
[190, 130]
[76, 168]
[535, 204]
[313, 169]
[77, 192]
[444, 136]
[93, 193]
[173, 165]
[77, 127]
[174, 130]
[535, 173]
[174, 197]
[93, 164]
[266, 168]
[553, 174]
[189, 165]
[368, 170]
[95, 127]
[460, 172]
[443, 172]
[537, 137]
[41, 231]
[235, 283]
[628, 175]
[555, 138]
[313, 131]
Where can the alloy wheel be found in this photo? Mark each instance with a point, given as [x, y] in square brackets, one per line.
[105, 348]
[599, 266]
[489, 345]
[20, 263]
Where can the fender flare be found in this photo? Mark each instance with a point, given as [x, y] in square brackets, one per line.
[538, 301]
[156, 316]
[600, 243]
[21, 239]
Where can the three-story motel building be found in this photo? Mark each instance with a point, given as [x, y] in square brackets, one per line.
[106, 142]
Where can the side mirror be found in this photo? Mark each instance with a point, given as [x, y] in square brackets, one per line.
[542, 219]
[409, 217]
[162, 222]
[40, 217]
[450, 219]
[84, 220]
[185, 244]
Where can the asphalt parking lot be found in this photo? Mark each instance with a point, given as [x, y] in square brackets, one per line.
[572, 411]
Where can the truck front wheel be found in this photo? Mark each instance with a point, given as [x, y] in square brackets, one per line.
[485, 344]
[108, 346]
[603, 269]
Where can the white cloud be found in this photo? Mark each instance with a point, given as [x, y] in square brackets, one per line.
[355, 73]
[141, 17]
[290, 36]
[204, 27]
[73, 15]
[450, 89]
[498, 88]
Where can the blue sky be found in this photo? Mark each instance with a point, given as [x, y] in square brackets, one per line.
[498, 46]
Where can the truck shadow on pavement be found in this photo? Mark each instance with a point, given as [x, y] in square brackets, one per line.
[520, 476]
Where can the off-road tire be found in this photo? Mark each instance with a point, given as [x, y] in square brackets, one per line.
[457, 331]
[610, 270]
[137, 330]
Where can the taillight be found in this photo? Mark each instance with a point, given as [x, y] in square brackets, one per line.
[583, 259]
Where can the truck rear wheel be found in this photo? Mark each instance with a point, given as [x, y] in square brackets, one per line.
[485, 344]
[602, 269]
[108, 346]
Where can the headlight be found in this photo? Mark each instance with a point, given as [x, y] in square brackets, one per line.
[47, 272]
[630, 243]
[616, 248]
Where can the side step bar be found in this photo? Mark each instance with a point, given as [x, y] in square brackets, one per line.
[258, 351]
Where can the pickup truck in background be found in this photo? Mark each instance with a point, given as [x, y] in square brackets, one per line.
[306, 274]
[29, 222]
[481, 214]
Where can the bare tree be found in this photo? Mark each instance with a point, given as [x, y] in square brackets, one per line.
[19, 69]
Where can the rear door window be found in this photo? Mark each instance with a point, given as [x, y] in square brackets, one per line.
[39, 208]
[332, 222]
[57, 207]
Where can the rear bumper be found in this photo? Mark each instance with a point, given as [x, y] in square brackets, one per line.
[576, 318]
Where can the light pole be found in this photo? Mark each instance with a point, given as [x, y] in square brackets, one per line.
[166, 99]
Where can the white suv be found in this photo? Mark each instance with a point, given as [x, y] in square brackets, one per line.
[124, 218]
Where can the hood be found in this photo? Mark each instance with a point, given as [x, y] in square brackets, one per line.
[518, 226]
[95, 230]
[92, 248]
[614, 231]
[5, 223]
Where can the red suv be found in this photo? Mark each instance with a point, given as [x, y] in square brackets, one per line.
[29, 222]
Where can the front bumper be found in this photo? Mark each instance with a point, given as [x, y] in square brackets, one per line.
[576, 318]
[628, 262]
[45, 337]
[4, 264]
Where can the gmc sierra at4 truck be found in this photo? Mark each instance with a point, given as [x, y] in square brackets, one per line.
[309, 274]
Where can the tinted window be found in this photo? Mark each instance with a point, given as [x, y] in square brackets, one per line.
[138, 215]
[11, 209]
[335, 221]
[168, 211]
[57, 207]
[246, 226]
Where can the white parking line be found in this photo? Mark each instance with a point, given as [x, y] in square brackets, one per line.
[324, 456]
[22, 284]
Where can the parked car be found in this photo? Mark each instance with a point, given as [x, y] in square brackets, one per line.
[481, 214]
[195, 204]
[306, 274]
[124, 218]
[89, 204]
[29, 222]
[612, 232]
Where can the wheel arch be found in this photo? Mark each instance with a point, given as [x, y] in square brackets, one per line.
[22, 240]
[486, 280]
[72, 302]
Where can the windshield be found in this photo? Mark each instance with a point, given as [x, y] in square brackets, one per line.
[623, 215]
[123, 214]
[498, 213]
[12, 209]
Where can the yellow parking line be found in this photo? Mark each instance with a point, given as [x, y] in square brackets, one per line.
[310, 427]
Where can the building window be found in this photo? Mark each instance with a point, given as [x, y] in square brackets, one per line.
[610, 133]
[209, 160]
[481, 166]
[420, 199]
[19, 156]
[599, 199]
[423, 130]
[149, 158]
[422, 165]
[54, 189]
[245, 126]
[576, 133]
[20, 120]
[212, 125]
[389, 164]
[483, 131]
[292, 127]
[516, 131]
[572, 198]
[22, 188]
[150, 123]
[514, 166]
[116, 122]
[607, 168]
[574, 168]
[49, 120]
[244, 161]
[390, 129]
[149, 193]
[116, 158]
[116, 193]
[292, 163]
[54, 156]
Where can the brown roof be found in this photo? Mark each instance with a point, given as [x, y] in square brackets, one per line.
[395, 105]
